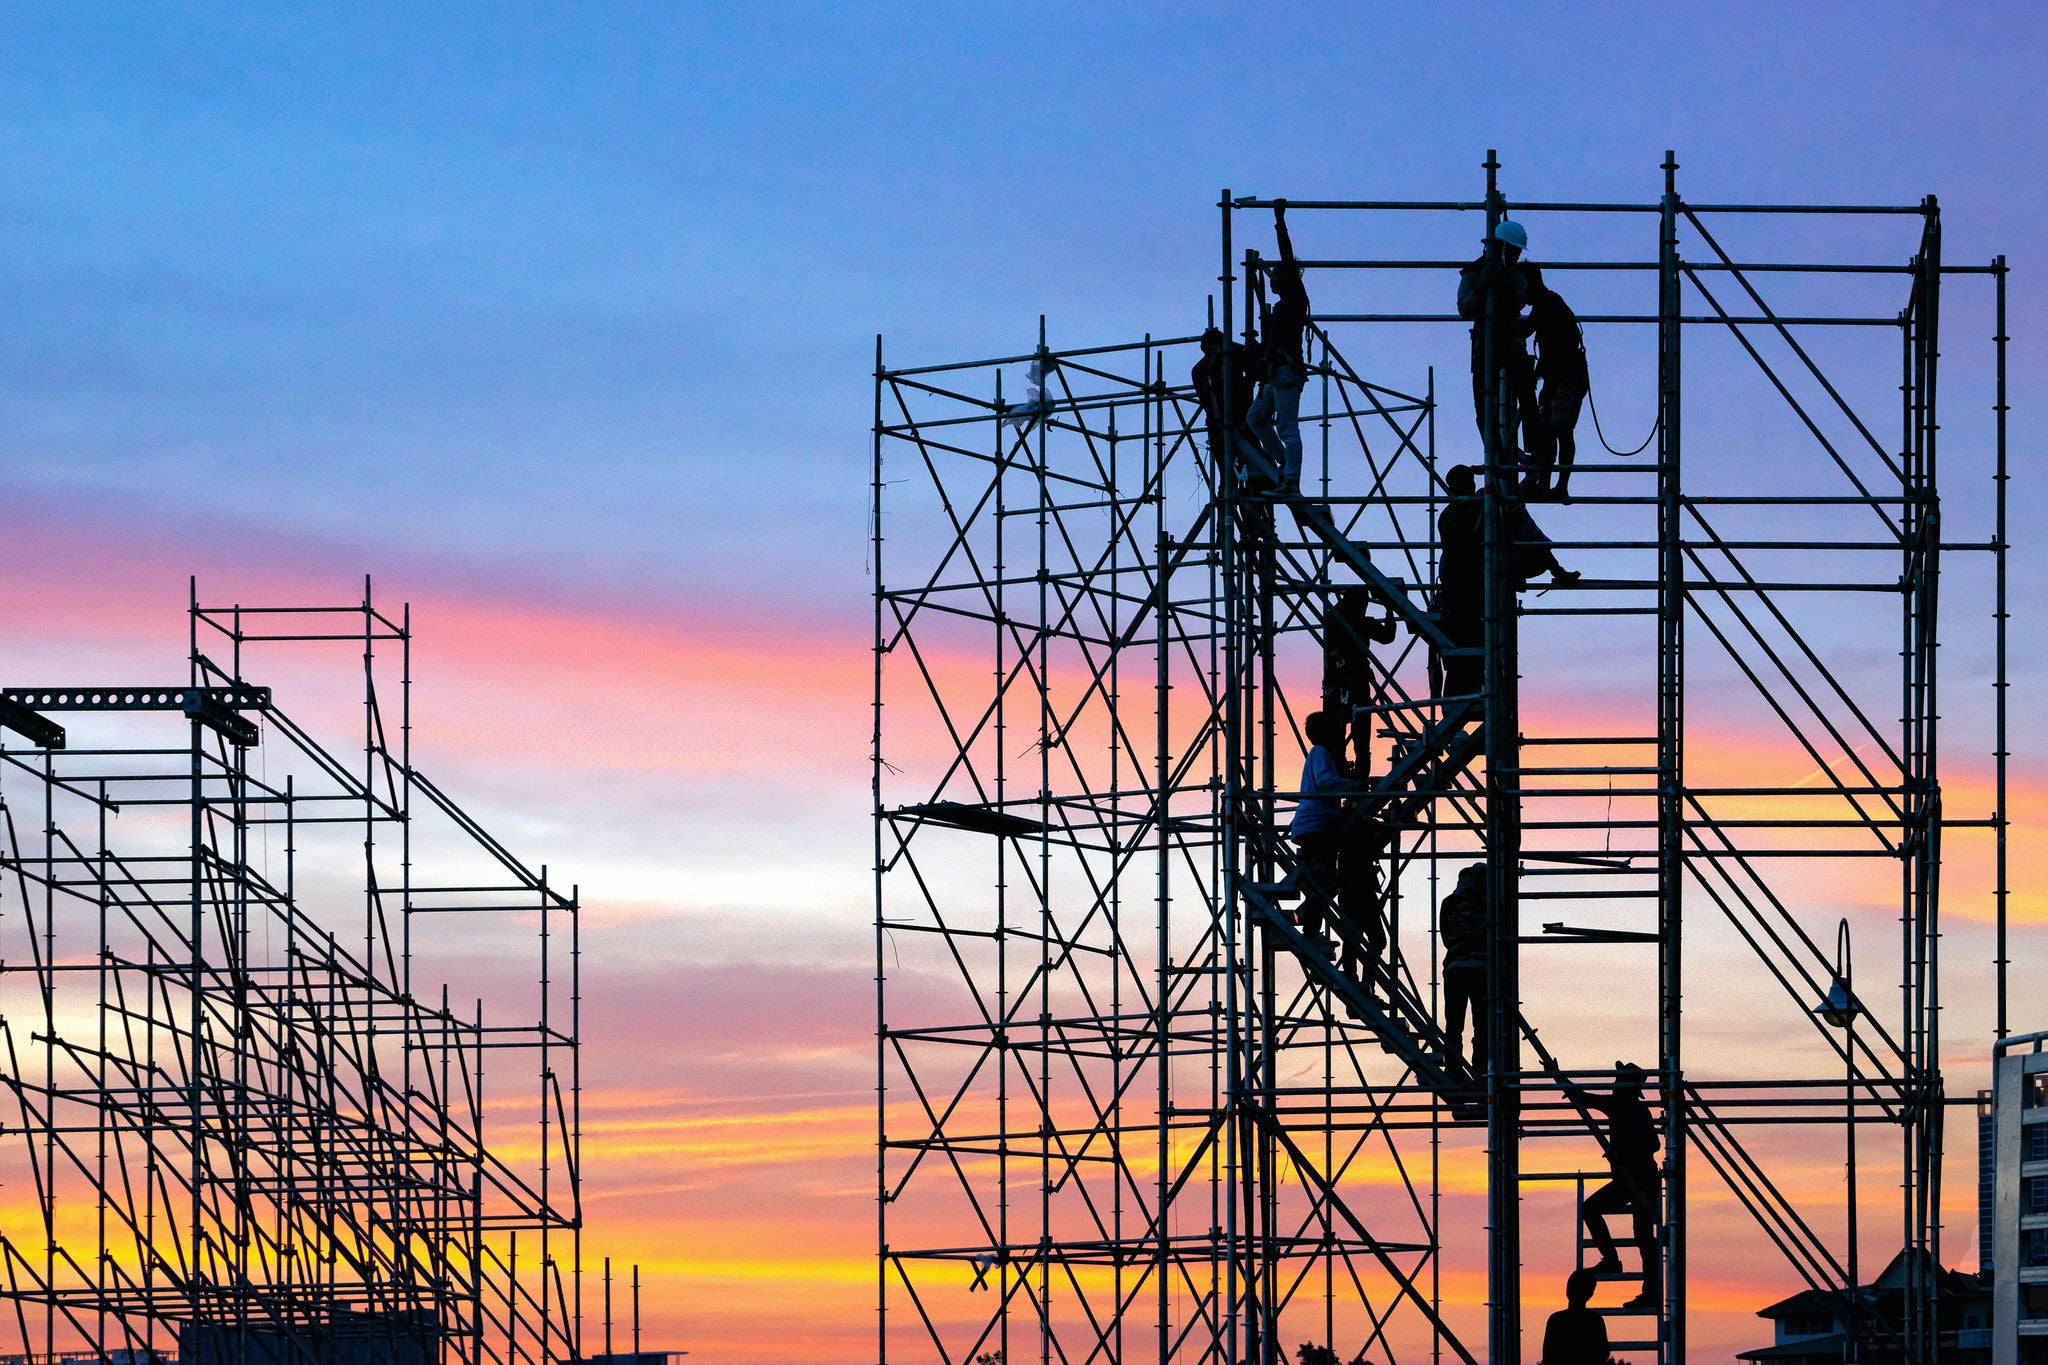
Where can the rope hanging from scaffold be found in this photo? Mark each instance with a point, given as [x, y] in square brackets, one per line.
[1624, 454]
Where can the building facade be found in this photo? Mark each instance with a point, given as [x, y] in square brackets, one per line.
[2019, 1231]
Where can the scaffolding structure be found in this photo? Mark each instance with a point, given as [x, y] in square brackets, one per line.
[243, 1006]
[1131, 1103]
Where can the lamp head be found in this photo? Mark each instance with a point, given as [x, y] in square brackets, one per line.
[1840, 1008]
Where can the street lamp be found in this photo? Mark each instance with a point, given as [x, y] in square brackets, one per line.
[1840, 1009]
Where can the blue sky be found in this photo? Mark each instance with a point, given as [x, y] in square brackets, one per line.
[588, 293]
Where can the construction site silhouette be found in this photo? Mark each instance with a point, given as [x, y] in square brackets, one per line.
[1159, 1081]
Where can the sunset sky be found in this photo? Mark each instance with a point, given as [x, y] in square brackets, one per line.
[559, 320]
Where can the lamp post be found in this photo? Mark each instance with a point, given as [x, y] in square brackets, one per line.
[1840, 1009]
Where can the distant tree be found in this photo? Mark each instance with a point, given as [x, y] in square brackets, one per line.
[1308, 1353]
[989, 1358]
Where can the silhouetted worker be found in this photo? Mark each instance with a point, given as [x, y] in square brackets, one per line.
[1350, 630]
[1499, 285]
[1575, 1334]
[1461, 585]
[1632, 1160]
[1224, 361]
[1461, 924]
[1276, 416]
[1461, 576]
[1318, 826]
[1561, 370]
[1363, 922]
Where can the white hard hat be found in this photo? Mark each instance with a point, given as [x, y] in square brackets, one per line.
[1512, 233]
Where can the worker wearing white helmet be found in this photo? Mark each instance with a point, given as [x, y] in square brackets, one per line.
[1500, 284]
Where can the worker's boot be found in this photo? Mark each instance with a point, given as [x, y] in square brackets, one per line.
[1651, 1300]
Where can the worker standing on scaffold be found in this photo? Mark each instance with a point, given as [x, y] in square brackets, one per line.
[1461, 925]
[1224, 365]
[1276, 416]
[1561, 370]
[1460, 578]
[1500, 285]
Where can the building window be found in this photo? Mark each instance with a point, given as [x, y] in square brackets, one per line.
[2034, 1147]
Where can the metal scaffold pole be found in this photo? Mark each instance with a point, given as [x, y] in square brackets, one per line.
[1503, 818]
[1671, 814]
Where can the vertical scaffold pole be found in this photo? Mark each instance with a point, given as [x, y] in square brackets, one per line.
[1999, 618]
[1503, 826]
[1923, 891]
[1041, 649]
[197, 1265]
[1155, 425]
[881, 981]
[1670, 773]
[1434, 833]
[1236, 1120]
[1006, 1022]
[1263, 568]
